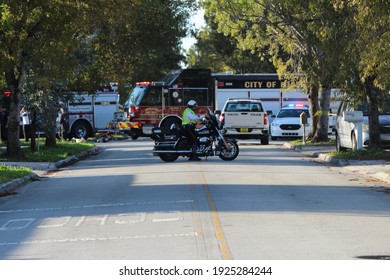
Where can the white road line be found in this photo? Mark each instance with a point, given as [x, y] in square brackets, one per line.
[86, 239]
[94, 206]
[17, 224]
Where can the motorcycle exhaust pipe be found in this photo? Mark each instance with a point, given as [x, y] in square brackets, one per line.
[171, 152]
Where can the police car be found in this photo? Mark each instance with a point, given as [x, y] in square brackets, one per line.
[287, 123]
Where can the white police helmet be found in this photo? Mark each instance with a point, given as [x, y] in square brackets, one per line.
[192, 104]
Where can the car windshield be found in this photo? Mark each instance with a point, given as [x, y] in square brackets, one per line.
[135, 97]
[244, 107]
[292, 113]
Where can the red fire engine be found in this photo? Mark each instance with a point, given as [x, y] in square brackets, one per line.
[153, 104]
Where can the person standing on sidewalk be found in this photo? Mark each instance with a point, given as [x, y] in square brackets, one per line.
[26, 123]
[64, 124]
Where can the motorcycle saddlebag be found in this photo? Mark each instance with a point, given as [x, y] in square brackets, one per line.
[164, 133]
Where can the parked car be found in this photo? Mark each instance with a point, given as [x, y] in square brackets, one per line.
[287, 123]
[245, 118]
[346, 132]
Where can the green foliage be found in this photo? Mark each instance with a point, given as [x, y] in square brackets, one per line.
[368, 50]
[364, 154]
[49, 47]
[8, 173]
[222, 53]
[143, 43]
[330, 142]
[301, 35]
[332, 44]
[60, 151]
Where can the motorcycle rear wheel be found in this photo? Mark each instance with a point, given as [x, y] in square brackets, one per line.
[168, 157]
[230, 152]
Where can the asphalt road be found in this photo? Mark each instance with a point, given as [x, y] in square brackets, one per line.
[270, 203]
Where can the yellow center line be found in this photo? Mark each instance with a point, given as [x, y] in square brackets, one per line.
[223, 245]
[197, 221]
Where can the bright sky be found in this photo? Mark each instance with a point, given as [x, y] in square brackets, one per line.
[198, 20]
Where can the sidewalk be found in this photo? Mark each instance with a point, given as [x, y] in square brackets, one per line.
[40, 169]
[378, 169]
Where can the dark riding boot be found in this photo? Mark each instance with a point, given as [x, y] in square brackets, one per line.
[194, 156]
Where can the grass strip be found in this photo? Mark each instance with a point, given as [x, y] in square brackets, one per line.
[60, 151]
[8, 173]
[364, 154]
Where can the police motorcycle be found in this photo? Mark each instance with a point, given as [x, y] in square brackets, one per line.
[171, 143]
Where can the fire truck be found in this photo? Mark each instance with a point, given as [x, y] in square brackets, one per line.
[153, 104]
[89, 113]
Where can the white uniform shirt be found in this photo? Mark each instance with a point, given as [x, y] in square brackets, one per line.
[193, 117]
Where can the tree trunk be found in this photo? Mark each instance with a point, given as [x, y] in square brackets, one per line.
[14, 150]
[50, 122]
[312, 96]
[323, 121]
[372, 95]
[51, 139]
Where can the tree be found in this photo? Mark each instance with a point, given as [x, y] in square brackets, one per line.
[365, 68]
[143, 43]
[32, 32]
[221, 53]
[304, 39]
[64, 44]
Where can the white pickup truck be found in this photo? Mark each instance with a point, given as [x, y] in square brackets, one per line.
[245, 118]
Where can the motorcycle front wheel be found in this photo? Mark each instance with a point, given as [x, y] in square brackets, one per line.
[230, 152]
[168, 157]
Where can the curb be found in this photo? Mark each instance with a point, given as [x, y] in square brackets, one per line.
[382, 176]
[331, 160]
[318, 156]
[324, 158]
[73, 159]
[10, 186]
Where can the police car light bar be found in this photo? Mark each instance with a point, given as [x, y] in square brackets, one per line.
[296, 105]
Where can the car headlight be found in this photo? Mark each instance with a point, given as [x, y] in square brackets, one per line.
[274, 124]
[365, 127]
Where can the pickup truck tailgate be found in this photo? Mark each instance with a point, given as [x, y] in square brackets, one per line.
[244, 119]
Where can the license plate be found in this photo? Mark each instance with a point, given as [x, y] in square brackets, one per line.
[244, 130]
[170, 137]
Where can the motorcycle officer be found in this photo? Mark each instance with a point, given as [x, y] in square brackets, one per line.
[189, 122]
